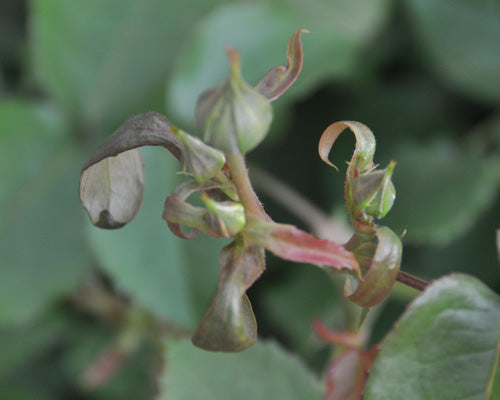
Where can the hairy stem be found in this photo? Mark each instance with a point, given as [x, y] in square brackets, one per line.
[239, 176]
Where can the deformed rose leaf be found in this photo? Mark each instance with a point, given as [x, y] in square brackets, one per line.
[377, 283]
[111, 190]
[279, 79]
[220, 218]
[112, 178]
[229, 324]
[111, 185]
[362, 158]
[148, 129]
[291, 243]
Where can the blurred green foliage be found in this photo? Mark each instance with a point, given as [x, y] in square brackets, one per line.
[423, 75]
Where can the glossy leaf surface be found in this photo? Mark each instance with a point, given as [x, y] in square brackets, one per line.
[444, 346]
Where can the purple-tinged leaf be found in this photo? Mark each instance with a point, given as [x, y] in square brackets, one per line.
[279, 79]
[111, 190]
[377, 283]
[229, 324]
[291, 243]
[362, 158]
[148, 129]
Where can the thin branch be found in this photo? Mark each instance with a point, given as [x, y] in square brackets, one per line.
[317, 220]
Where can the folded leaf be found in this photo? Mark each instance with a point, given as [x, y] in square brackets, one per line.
[111, 190]
[362, 158]
[229, 324]
[291, 243]
[377, 283]
[148, 129]
[279, 79]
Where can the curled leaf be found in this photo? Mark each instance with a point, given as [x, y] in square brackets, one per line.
[362, 158]
[279, 79]
[148, 129]
[229, 324]
[291, 243]
[377, 283]
[111, 190]
[234, 117]
[112, 178]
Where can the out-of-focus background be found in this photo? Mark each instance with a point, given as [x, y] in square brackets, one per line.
[424, 75]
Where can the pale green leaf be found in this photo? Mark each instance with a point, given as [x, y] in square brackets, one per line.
[264, 371]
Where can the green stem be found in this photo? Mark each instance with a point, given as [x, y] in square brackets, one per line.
[240, 178]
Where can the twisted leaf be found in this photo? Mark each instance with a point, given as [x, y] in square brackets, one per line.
[229, 324]
[279, 79]
[377, 283]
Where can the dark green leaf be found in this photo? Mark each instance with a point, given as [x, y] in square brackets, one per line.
[442, 189]
[263, 372]
[445, 346]
[460, 39]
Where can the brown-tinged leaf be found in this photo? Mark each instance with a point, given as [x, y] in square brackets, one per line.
[362, 158]
[279, 79]
[148, 129]
[291, 243]
[229, 324]
[377, 283]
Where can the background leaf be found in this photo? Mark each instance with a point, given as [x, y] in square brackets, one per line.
[449, 33]
[441, 189]
[445, 345]
[43, 255]
[261, 38]
[263, 371]
[113, 57]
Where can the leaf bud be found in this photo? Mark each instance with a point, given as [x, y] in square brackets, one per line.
[374, 192]
[225, 218]
[234, 117]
